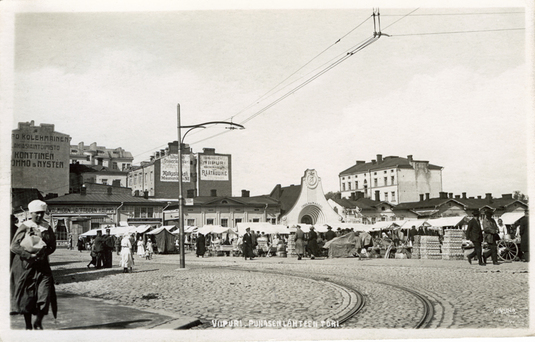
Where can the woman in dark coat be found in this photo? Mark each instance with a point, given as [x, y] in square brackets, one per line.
[201, 246]
[32, 284]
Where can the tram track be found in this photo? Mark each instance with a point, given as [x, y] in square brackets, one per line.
[360, 302]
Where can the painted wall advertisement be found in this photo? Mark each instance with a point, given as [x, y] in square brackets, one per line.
[214, 168]
[169, 168]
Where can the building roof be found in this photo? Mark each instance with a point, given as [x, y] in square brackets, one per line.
[287, 196]
[362, 203]
[467, 203]
[386, 163]
[102, 199]
[242, 201]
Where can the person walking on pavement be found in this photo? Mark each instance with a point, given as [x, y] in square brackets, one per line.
[108, 249]
[98, 248]
[474, 234]
[299, 242]
[491, 237]
[522, 225]
[140, 247]
[32, 283]
[312, 244]
[80, 244]
[330, 234]
[149, 250]
[248, 244]
[118, 246]
[93, 256]
[126, 254]
[200, 245]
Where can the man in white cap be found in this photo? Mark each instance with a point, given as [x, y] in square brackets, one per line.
[34, 240]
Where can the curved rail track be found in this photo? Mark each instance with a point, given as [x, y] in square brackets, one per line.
[358, 301]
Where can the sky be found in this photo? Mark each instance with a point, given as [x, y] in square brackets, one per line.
[446, 85]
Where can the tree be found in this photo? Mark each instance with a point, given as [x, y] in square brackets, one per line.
[332, 194]
[520, 196]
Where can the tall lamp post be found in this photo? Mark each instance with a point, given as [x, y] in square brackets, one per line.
[180, 197]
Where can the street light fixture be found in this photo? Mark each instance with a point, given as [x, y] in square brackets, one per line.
[180, 197]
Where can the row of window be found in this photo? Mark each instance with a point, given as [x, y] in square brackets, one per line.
[225, 221]
[364, 174]
[365, 183]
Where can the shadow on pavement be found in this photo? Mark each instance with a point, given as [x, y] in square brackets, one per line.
[114, 325]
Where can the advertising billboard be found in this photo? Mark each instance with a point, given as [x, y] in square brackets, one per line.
[169, 168]
[214, 167]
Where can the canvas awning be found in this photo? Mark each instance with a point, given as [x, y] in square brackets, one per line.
[451, 221]
[417, 223]
[387, 225]
[158, 230]
[215, 229]
[264, 227]
[356, 227]
[512, 217]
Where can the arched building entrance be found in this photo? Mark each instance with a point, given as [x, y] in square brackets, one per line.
[310, 205]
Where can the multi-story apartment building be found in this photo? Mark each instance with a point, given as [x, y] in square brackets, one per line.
[203, 174]
[115, 159]
[392, 179]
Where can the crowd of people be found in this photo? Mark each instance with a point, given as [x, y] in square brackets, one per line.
[32, 284]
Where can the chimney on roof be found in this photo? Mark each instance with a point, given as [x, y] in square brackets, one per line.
[457, 196]
[145, 194]
[338, 195]
[472, 197]
[409, 157]
[83, 190]
[421, 197]
[377, 195]
[488, 196]
[152, 158]
[353, 196]
[244, 193]
[427, 195]
[373, 161]
[464, 195]
[507, 196]
[360, 162]
[443, 195]
[478, 197]
[359, 195]
[451, 194]
[110, 190]
[379, 158]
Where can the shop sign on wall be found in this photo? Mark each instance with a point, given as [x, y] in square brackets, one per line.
[169, 168]
[214, 168]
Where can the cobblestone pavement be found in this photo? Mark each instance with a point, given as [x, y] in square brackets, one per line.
[230, 292]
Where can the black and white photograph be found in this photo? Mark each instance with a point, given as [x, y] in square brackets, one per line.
[266, 171]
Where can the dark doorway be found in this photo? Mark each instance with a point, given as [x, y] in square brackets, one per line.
[306, 220]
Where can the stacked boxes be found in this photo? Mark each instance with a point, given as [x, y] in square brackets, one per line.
[416, 247]
[291, 245]
[430, 247]
[452, 245]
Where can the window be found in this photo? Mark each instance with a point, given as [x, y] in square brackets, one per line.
[386, 181]
[143, 212]
[105, 181]
[114, 165]
[386, 196]
[392, 179]
[150, 212]
[209, 221]
[191, 222]
[236, 221]
[256, 220]
[375, 182]
[137, 212]
[343, 186]
[224, 222]
[375, 173]
[356, 184]
[385, 171]
[393, 196]
[348, 186]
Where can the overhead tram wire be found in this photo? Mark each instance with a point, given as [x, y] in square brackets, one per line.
[307, 63]
[348, 53]
[346, 56]
[456, 32]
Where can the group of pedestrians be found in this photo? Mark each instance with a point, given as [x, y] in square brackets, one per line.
[486, 232]
[102, 250]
